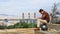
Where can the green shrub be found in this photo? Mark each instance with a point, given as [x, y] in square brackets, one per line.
[23, 25]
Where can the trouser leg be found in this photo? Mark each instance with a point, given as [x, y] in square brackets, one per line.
[40, 21]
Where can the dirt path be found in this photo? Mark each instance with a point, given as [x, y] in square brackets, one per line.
[18, 31]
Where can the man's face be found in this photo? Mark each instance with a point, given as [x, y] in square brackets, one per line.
[42, 12]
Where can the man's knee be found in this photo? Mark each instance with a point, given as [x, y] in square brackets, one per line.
[45, 21]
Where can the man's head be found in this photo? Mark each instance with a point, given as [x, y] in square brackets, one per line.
[41, 11]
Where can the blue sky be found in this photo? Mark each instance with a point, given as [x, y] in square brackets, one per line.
[16, 7]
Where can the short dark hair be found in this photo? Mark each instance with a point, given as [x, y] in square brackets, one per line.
[40, 10]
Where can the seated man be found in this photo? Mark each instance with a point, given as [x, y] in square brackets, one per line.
[44, 18]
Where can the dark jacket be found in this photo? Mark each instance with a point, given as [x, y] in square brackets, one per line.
[45, 16]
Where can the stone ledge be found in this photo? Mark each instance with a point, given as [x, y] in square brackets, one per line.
[47, 32]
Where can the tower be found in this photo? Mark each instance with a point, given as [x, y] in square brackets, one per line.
[29, 15]
[34, 15]
[23, 15]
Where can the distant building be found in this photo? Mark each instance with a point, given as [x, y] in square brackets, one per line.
[11, 20]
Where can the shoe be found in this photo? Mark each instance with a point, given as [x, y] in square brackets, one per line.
[37, 28]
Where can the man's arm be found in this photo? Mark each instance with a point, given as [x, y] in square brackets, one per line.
[43, 16]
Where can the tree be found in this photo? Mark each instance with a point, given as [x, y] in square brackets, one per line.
[54, 11]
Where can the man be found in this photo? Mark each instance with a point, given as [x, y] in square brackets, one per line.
[44, 18]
